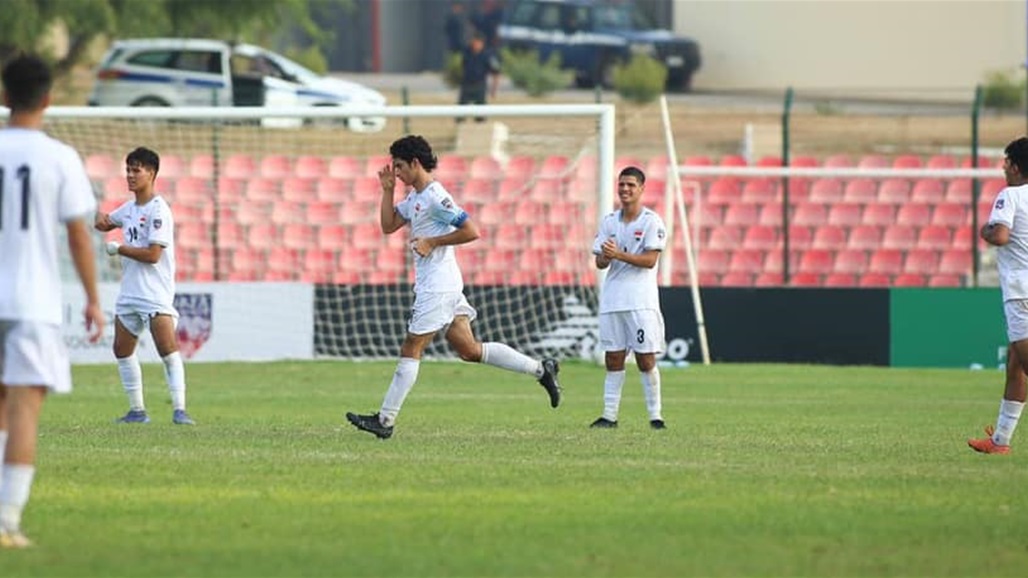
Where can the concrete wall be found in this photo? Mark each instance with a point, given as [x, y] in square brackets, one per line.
[872, 47]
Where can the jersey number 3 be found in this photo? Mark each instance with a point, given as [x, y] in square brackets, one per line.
[23, 174]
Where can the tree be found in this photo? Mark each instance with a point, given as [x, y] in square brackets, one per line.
[26, 24]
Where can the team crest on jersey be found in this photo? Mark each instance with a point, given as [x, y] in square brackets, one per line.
[417, 207]
[447, 203]
[195, 321]
[638, 234]
[157, 223]
[661, 234]
[999, 203]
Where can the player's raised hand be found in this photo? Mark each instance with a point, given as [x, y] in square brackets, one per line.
[387, 178]
[94, 322]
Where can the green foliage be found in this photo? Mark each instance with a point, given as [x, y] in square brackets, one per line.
[311, 57]
[1002, 91]
[453, 69]
[534, 77]
[641, 79]
[27, 25]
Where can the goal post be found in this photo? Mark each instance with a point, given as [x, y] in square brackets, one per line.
[288, 195]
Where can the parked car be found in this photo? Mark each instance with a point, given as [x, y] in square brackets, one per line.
[592, 36]
[200, 72]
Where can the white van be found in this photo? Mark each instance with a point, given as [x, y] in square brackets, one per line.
[198, 72]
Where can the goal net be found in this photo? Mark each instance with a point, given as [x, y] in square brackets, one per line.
[289, 195]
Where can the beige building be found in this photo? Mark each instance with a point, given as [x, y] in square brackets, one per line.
[919, 48]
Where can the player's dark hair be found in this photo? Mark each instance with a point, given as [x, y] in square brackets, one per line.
[144, 157]
[413, 147]
[1017, 152]
[633, 172]
[27, 80]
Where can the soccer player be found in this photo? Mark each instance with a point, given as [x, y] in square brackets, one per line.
[1007, 229]
[42, 183]
[437, 223]
[147, 287]
[629, 242]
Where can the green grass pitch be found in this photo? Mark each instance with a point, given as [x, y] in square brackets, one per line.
[764, 470]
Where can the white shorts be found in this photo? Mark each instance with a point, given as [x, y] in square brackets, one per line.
[33, 354]
[135, 315]
[641, 331]
[434, 311]
[1016, 312]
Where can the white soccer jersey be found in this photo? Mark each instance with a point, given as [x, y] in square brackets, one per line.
[627, 287]
[43, 183]
[432, 212]
[145, 225]
[1011, 209]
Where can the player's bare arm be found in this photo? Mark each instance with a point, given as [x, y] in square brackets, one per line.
[149, 255]
[103, 222]
[389, 219]
[466, 233]
[81, 247]
[995, 234]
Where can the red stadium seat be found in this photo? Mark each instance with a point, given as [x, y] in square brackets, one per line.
[298, 189]
[818, 261]
[496, 213]
[749, 261]
[725, 238]
[865, 237]
[510, 236]
[283, 212]
[343, 167]
[804, 162]
[698, 161]
[760, 237]
[230, 191]
[333, 236]
[945, 281]
[771, 214]
[759, 190]
[713, 261]
[955, 262]
[899, 237]
[886, 261]
[873, 162]
[958, 191]
[941, 162]
[733, 161]
[800, 237]
[563, 278]
[921, 261]
[310, 167]
[826, 190]
[874, 280]
[239, 166]
[375, 163]
[528, 212]
[935, 237]
[894, 191]
[451, 168]
[263, 236]
[723, 191]
[202, 166]
[101, 166]
[838, 161]
[739, 213]
[333, 190]
[548, 236]
[318, 265]
[860, 191]
[369, 189]
[962, 238]
[276, 167]
[172, 167]
[390, 260]
[830, 237]
[366, 235]
[318, 213]
[298, 236]
[193, 191]
[484, 167]
[928, 191]
[192, 235]
[478, 191]
[546, 191]
[846, 214]
[951, 215]
[519, 167]
[249, 213]
[840, 280]
[261, 189]
[909, 280]
[768, 279]
[907, 162]
[914, 215]
[770, 161]
[737, 279]
[357, 212]
[810, 214]
[879, 214]
[231, 235]
[553, 167]
[991, 188]
[806, 279]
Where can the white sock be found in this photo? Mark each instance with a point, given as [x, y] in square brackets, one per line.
[175, 375]
[403, 380]
[1006, 423]
[612, 393]
[651, 389]
[506, 357]
[132, 381]
[14, 494]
